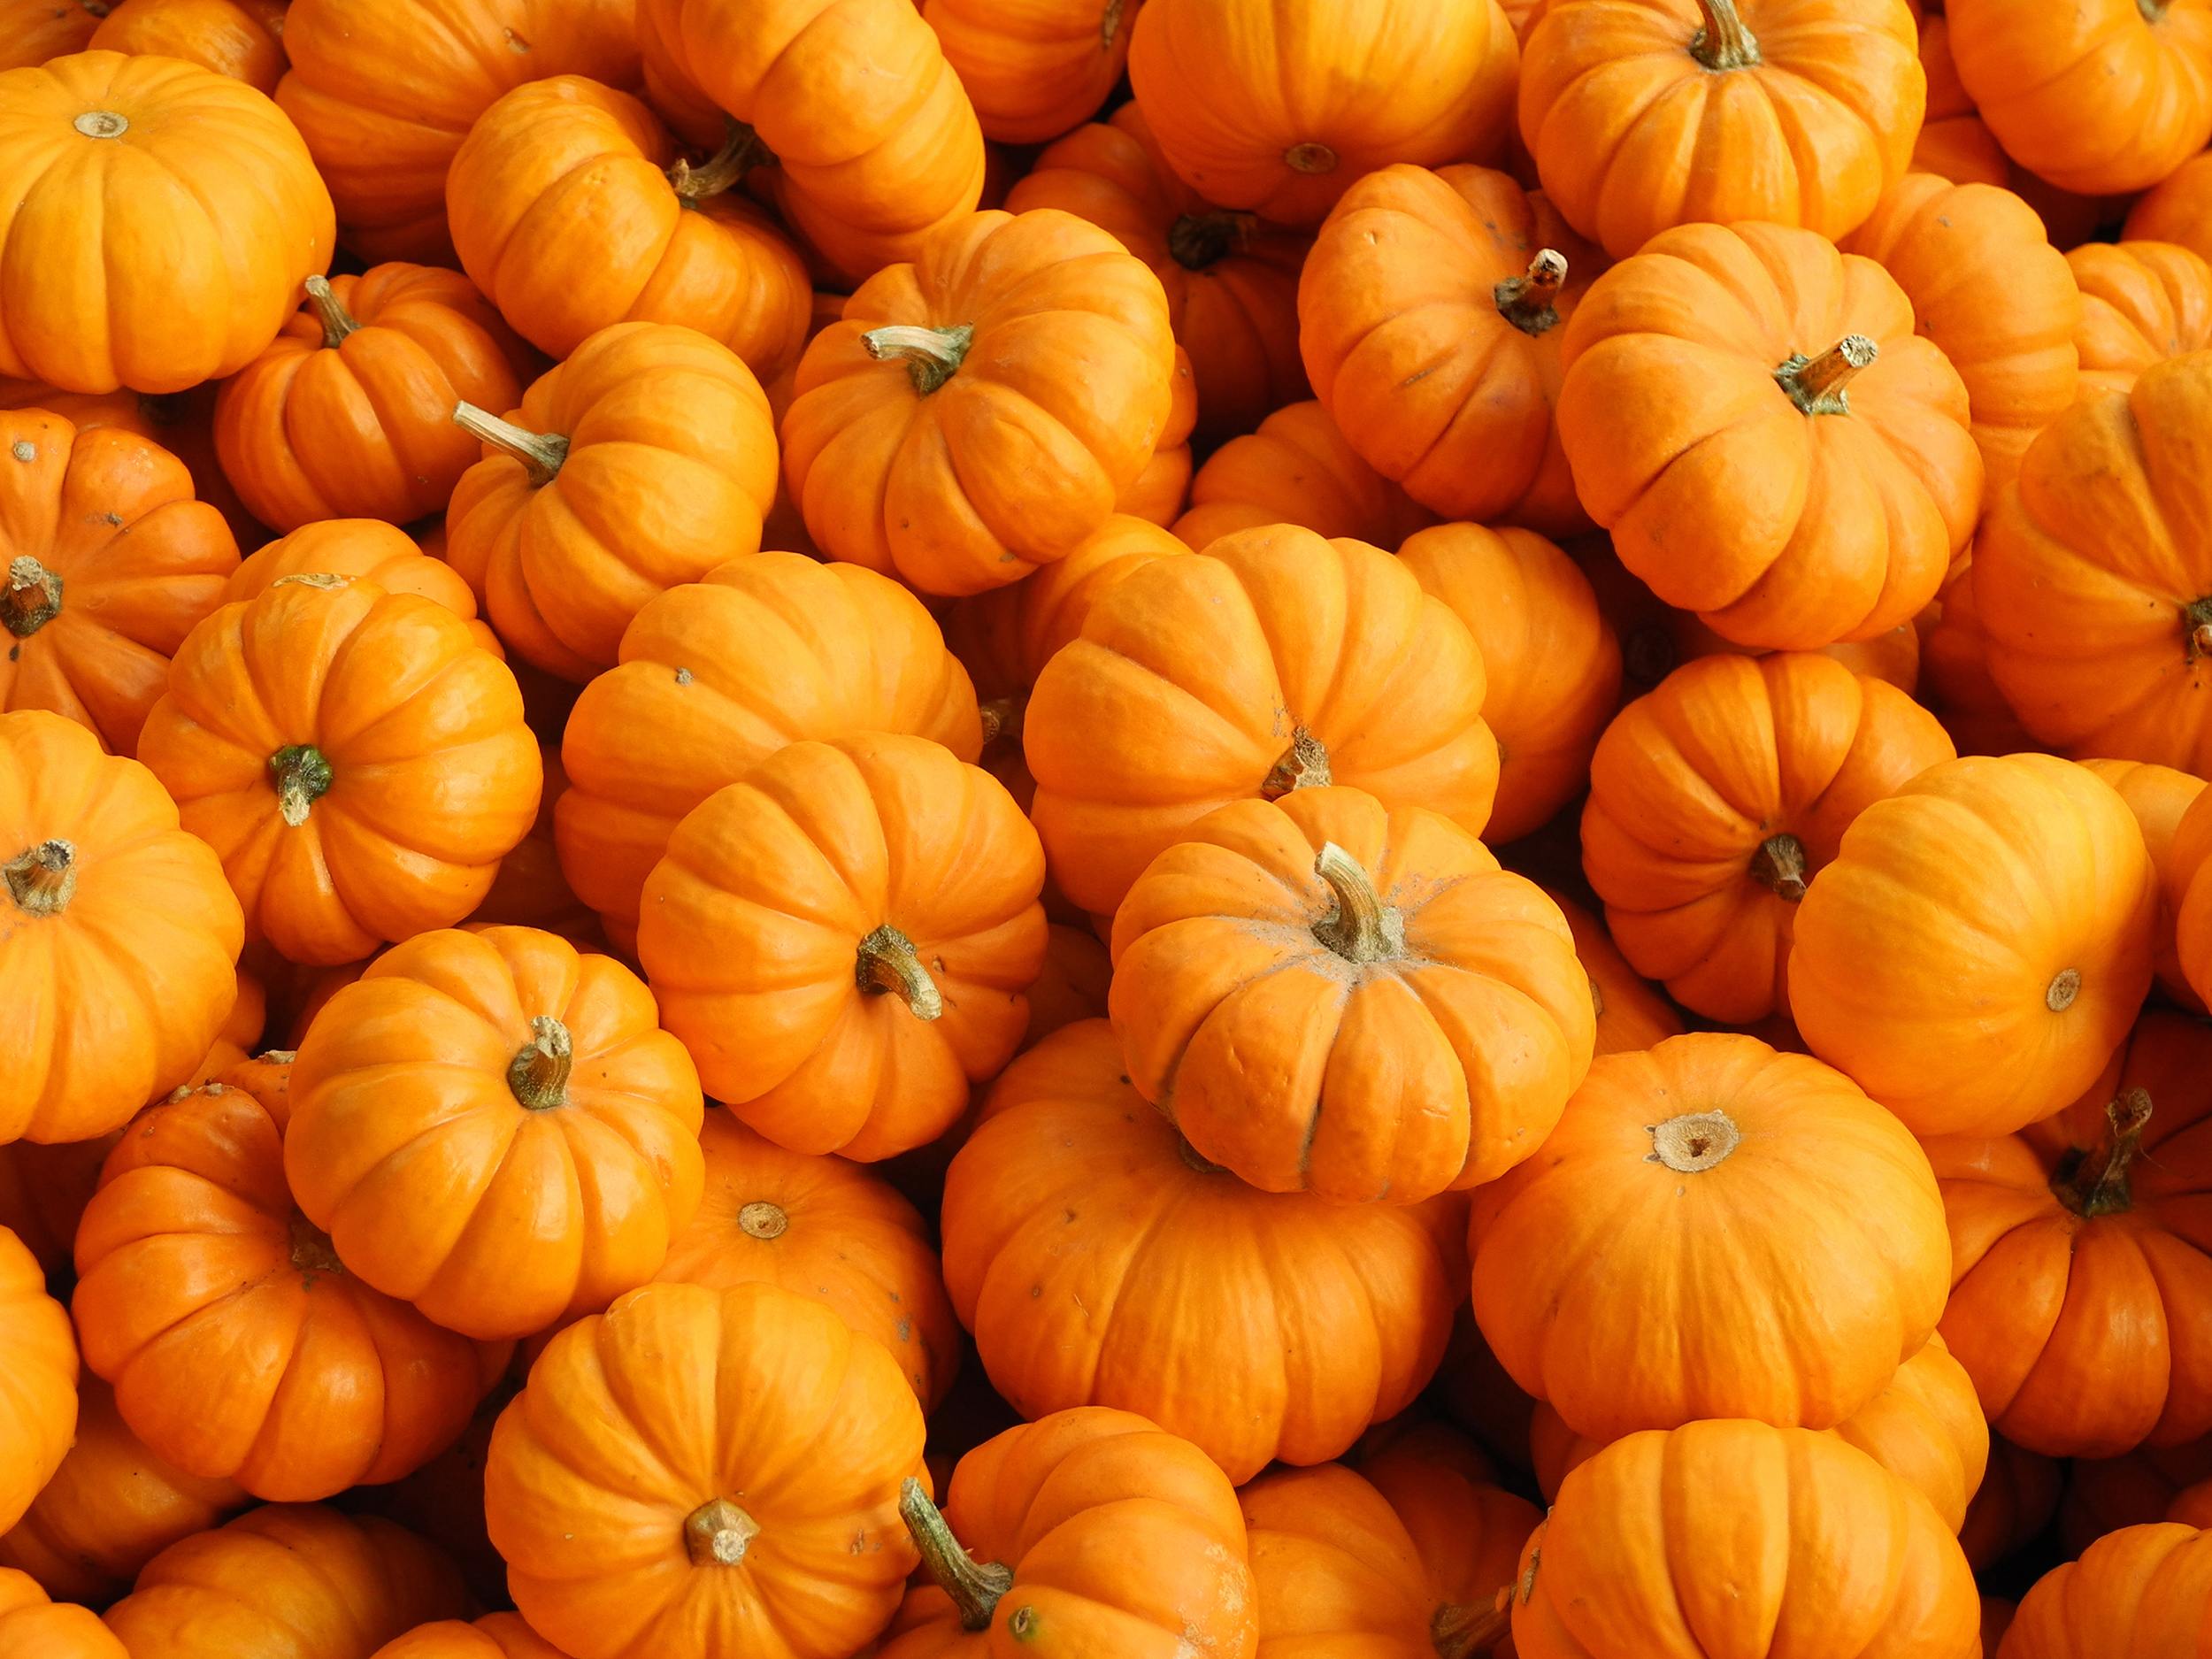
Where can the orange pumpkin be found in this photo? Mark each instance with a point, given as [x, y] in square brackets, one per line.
[1298, 468]
[38, 1374]
[1753, 416]
[493, 1636]
[2161, 797]
[32, 31]
[43, 1190]
[1070, 986]
[243, 39]
[2104, 1494]
[1631, 1016]
[33, 1627]
[1956, 678]
[366, 548]
[2141, 302]
[843, 938]
[2019, 1495]
[642, 462]
[2135, 1594]
[530, 891]
[1160, 492]
[2176, 209]
[1033, 71]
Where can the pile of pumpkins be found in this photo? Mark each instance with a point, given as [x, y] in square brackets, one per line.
[856, 828]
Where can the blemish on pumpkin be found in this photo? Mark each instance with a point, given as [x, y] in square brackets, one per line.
[516, 43]
[25, 452]
[683, 676]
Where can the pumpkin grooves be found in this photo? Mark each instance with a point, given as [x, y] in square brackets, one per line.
[1531, 303]
[312, 1252]
[1197, 240]
[932, 356]
[716, 1534]
[1693, 1143]
[1303, 765]
[32, 598]
[975, 1588]
[539, 1073]
[42, 881]
[1464, 1633]
[1362, 928]
[1815, 384]
[742, 151]
[303, 777]
[2196, 624]
[1779, 867]
[887, 961]
[540, 453]
[2097, 1185]
[762, 1220]
[1724, 43]
[337, 321]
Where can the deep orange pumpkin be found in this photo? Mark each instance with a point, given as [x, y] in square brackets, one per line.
[493, 1636]
[32, 31]
[1298, 468]
[243, 39]
[2135, 1594]
[33, 1627]
[1033, 71]
[38, 1375]
[367, 548]
[2141, 302]
[1632, 1014]
[2160, 798]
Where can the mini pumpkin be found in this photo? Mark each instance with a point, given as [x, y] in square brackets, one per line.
[1298, 468]
[2141, 302]
[243, 39]
[1034, 71]
[493, 1636]
[368, 547]
[2175, 210]
[2133, 1594]
[38, 1372]
[32, 31]
[34, 1627]
[1631, 1015]
[2160, 798]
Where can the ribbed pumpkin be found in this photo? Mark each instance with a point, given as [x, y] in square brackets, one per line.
[2177, 210]
[348, 414]
[2137, 1593]
[1296, 1323]
[1033, 71]
[38, 1377]
[1717, 798]
[975, 413]
[2190, 897]
[1753, 416]
[33, 1627]
[2104, 1494]
[357, 760]
[32, 31]
[530, 890]
[2019, 1494]
[243, 39]
[182, 204]
[1273, 661]
[1955, 676]
[841, 940]
[1631, 1015]
[43, 1190]
[1431, 314]
[717, 675]
[2141, 302]
[2161, 797]
[2012, 905]
[572, 211]
[1158, 494]
[1298, 468]
[645, 460]
[493, 1636]
[367, 548]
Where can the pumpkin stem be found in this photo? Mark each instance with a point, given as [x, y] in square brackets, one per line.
[1779, 867]
[540, 453]
[742, 151]
[337, 321]
[1303, 765]
[303, 778]
[312, 1252]
[887, 961]
[43, 880]
[2153, 10]
[539, 1072]
[1310, 158]
[32, 598]
[1724, 43]
[2064, 988]
[2196, 628]
[974, 1587]
[932, 356]
[762, 1220]
[1597, 995]
[2098, 1185]
[1531, 303]
[1362, 928]
[1002, 718]
[1815, 384]
[1693, 1143]
[1197, 240]
[716, 1532]
[1464, 1631]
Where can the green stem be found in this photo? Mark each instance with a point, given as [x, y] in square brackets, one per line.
[33, 597]
[303, 778]
[42, 881]
[976, 1588]
[742, 151]
[540, 453]
[1815, 384]
[932, 356]
[1724, 43]
[538, 1075]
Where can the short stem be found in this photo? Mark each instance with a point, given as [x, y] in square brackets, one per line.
[1002, 718]
[716, 1534]
[1693, 1143]
[887, 961]
[1815, 384]
[1465, 1631]
[2065, 986]
[337, 321]
[2196, 626]
[538, 1075]
[931, 355]
[1531, 303]
[540, 453]
[975, 1588]
[1198, 240]
[303, 778]
[32, 598]
[1310, 158]
[1303, 765]
[762, 1220]
[42, 881]
[742, 151]
[1724, 43]
[2098, 1187]
[1779, 867]
[1362, 928]
[312, 1252]
[2153, 10]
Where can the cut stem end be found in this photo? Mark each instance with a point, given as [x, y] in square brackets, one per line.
[718, 1532]
[1531, 303]
[42, 881]
[1693, 1143]
[887, 961]
[31, 599]
[1779, 867]
[1815, 385]
[538, 1075]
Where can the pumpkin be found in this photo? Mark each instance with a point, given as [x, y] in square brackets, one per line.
[1431, 316]
[1715, 800]
[572, 211]
[1959, 686]
[1070, 986]
[1292, 1323]
[243, 39]
[1981, 1037]
[1752, 416]
[32, 31]
[1325, 996]
[2188, 897]
[1298, 468]
[2108, 97]
[2174, 210]
[110, 564]
[1736, 1538]
[33, 1627]
[1551, 666]
[824, 1228]
[1277, 110]
[1631, 1016]
[975, 413]
[357, 760]
[2141, 302]
[286, 1582]
[2104, 1494]
[1231, 279]
[841, 940]
[530, 891]
[643, 1511]
[1089, 1529]
[2017, 1497]
[1033, 71]
[43, 1190]
[38, 1375]
[1277, 661]
[385, 90]
[642, 462]
[120, 938]
[1160, 492]
[348, 412]
[872, 139]
[493, 1636]
[722, 672]
[111, 1507]
[2160, 797]
[1642, 115]
[2135, 1594]
[1986, 288]
[368, 547]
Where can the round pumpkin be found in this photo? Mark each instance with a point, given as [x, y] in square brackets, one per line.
[2011, 904]
[974, 414]
[38, 1376]
[2141, 302]
[841, 940]
[1306, 1320]
[243, 39]
[367, 548]
[183, 260]
[1030, 70]
[32, 31]
[2176, 209]
[357, 760]
[717, 675]
[1753, 416]
[1718, 797]
[1159, 494]
[1631, 1015]
[642, 462]
[493, 1636]
[1298, 468]
[385, 90]
[34, 1627]
[2160, 798]
[2136, 1594]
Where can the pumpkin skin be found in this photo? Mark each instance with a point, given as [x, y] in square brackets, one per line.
[763, 651]
[369, 548]
[671, 1427]
[1956, 677]
[2019, 1495]
[243, 39]
[35, 1628]
[1277, 110]
[2175, 210]
[32, 31]
[121, 936]
[228, 266]
[406, 769]
[2135, 1594]
[1163, 489]
[348, 414]
[43, 1190]
[1298, 468]
[286, 1582]
[384, 91]
[1631, 1016]
[2104, 1494]
[110, 564]
[1740, 1537]
[1817, 513]
[1646, 114]
[1981, 1038]
[2142, 303]
[1713, 801]
[2161, 797]
[1399, 1019]
[642, 462]
[843, 938]
[38, 1372]
[1430, 320]
[2102, 100]
[530, 890]
[1307, 1322]
[1033, 71]
[1120, 1539]
[493, 1636]
[961, 462]
[1375, 685]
